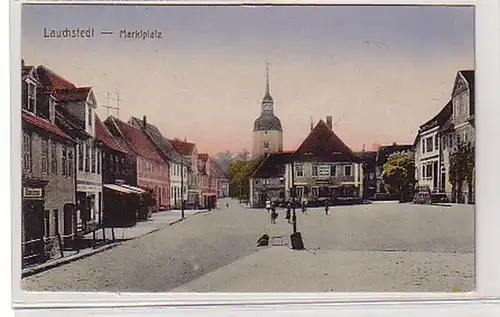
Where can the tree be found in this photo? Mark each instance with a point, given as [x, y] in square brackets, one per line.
[462, 168]
[239, 175]
[399, 174]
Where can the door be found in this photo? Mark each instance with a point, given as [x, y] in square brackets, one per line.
[69, 222]
[33, 245]
[435, 176]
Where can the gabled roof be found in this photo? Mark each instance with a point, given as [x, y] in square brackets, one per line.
[470, 78]
[51, 80]
[161, 143]
[272, 166]
[439, 119]
[103, 135]
[183, 147]
[216, 171]
[73, 95]
[323, 144]
[386, 150]
[47, 126]
[136, 140]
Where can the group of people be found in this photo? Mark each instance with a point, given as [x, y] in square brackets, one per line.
[271, 207]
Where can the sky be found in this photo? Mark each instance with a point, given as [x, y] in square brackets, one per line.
[380, 72]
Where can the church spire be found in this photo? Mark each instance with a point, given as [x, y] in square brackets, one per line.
[267, 80]
[267, 102]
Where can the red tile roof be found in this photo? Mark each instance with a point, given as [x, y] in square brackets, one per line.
[72, 95]
[51, 80]
[102, 134]
[43, 124]
[203, 157]
[137, 141]
[323, 144]
[184, 148]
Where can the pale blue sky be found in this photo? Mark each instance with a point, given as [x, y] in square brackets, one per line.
[385, 69]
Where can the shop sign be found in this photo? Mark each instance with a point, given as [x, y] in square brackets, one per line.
[32, 193]
[322, 182]
[324, 170]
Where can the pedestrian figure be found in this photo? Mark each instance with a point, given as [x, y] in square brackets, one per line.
[268, 206]
[304, 204]
[274, 215]
[288, 212]
[326, 207]
[227, 205]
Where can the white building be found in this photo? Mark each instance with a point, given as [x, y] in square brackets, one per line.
[428, 171]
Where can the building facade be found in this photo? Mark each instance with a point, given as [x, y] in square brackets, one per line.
[267, 182]
[190, 154]
[178, 166]
[459, 129]
[75, 115]
[267, 129]
[324, 168]
[48, 175]
[151, 170]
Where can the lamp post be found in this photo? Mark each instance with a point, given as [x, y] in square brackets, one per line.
[294, 215]
[182, 190]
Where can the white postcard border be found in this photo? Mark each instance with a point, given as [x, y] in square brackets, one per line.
[487, 214]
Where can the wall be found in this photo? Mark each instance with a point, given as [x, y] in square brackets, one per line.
[60, 189]
[275, 139]
[155, 175]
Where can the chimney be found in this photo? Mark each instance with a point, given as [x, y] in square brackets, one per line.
[329, 122]
[312, 124]
[144, 122]
[364, 148]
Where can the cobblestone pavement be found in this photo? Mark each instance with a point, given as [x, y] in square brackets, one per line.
[379, 247]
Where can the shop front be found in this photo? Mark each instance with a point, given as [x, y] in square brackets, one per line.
[33, 222]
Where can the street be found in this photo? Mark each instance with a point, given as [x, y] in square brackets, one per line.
[372, 248]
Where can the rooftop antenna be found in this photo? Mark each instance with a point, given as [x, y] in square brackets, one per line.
[108, 106]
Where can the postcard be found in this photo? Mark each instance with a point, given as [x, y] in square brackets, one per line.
[233, 149]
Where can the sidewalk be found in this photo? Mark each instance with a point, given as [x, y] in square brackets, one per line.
[154, 223]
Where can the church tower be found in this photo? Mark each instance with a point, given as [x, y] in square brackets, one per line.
[267, 130]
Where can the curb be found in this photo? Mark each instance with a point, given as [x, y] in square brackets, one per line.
[64, 261]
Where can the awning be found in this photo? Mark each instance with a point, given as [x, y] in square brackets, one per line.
[118, 188]
[134, 189]
[209, 194]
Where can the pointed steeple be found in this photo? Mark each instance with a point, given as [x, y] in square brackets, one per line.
[267, 101]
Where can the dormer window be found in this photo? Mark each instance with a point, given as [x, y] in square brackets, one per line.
[90, 116]
[29, 96]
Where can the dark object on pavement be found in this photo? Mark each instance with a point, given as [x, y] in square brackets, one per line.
[297, 243]
[263, 241]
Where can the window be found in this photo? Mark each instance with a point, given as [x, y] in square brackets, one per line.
[31, 97]
[70, 163]
[299, 171]
[429, 145]
[64, 168]
[348, 170]
[333, 170]
[423, 171]
[428, 172]
[80, 156]
[266, 144]
[423, 146]
[314, 171]
[45, 156]
[117, 164]
[87, 158]
[53, 157]
[27, 152]
[93, 151]
[90, 115]
[99, 162]
[451, 141]
[436, 143]
[46, 223]
[315, 191]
